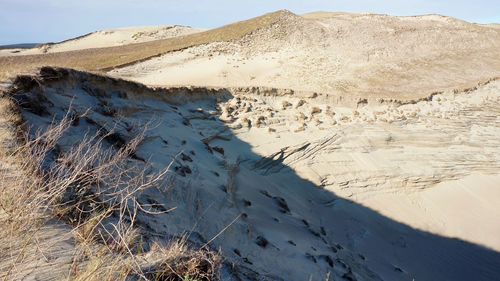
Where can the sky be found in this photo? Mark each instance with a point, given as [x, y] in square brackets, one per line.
[40, 21]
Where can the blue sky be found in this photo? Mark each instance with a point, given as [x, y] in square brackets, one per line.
[55, 20]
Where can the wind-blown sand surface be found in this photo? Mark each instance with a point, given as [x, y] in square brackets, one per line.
[357, 144]
[338, 53]
[377, 192]
[107, 38]
[400, 160]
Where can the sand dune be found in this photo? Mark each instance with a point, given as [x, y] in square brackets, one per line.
[338, 53]
[367, 192]
[351, 145]
[107, 38]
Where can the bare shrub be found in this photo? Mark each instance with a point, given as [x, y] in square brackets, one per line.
[177, 262]
[91, 188]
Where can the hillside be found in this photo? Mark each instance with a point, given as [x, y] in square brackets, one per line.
[334, 53]
[107, 38]
[324, 146]
[289, 187]
[339, 53]
[101, 59]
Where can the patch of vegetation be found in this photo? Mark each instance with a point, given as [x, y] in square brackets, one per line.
[104, 59]
[71, 213]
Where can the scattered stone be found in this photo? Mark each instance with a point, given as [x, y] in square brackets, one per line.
[315, 110]
[300, 103]
[323, 231]
[339, 261]
[218, 149]
[328, 259]
[301, 116]
[345, 119]
[285, 104]
[398, 269]
[185, 157]
[237, 252]
[282, 204]
[265, 193]
[261, 241]
[313, 232]
[349, 276]
[311, 257]
[183, 170]
[209, 148]
[300, 129]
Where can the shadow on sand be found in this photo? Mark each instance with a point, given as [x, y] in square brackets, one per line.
[285, 220]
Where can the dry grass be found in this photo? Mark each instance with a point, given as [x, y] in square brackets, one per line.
[175, 262]
[103, 59]
[78, 207]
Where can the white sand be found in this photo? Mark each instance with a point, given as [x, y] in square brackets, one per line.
[431, 154]
[382, 190]
[341, 53]
[108, 38]
[394, 194]
[432, 165]
[465, 208]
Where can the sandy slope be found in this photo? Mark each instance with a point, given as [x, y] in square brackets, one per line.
[343, 53]
[432, 165]
[373, 192]
[358, 170]
[108, 38]
[55, 237]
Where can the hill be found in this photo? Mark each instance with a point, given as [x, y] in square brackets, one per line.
[338, 53]
[285, 185]
[105, 38]
[108, 58]
[325, 146]
[334, 53]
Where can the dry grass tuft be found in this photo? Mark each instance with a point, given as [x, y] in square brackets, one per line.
[77, 207]
[176, 262]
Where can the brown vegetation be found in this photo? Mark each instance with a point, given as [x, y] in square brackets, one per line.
[71, 214]
[103, 59]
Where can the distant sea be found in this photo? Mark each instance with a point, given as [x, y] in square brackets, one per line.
[19, 46]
